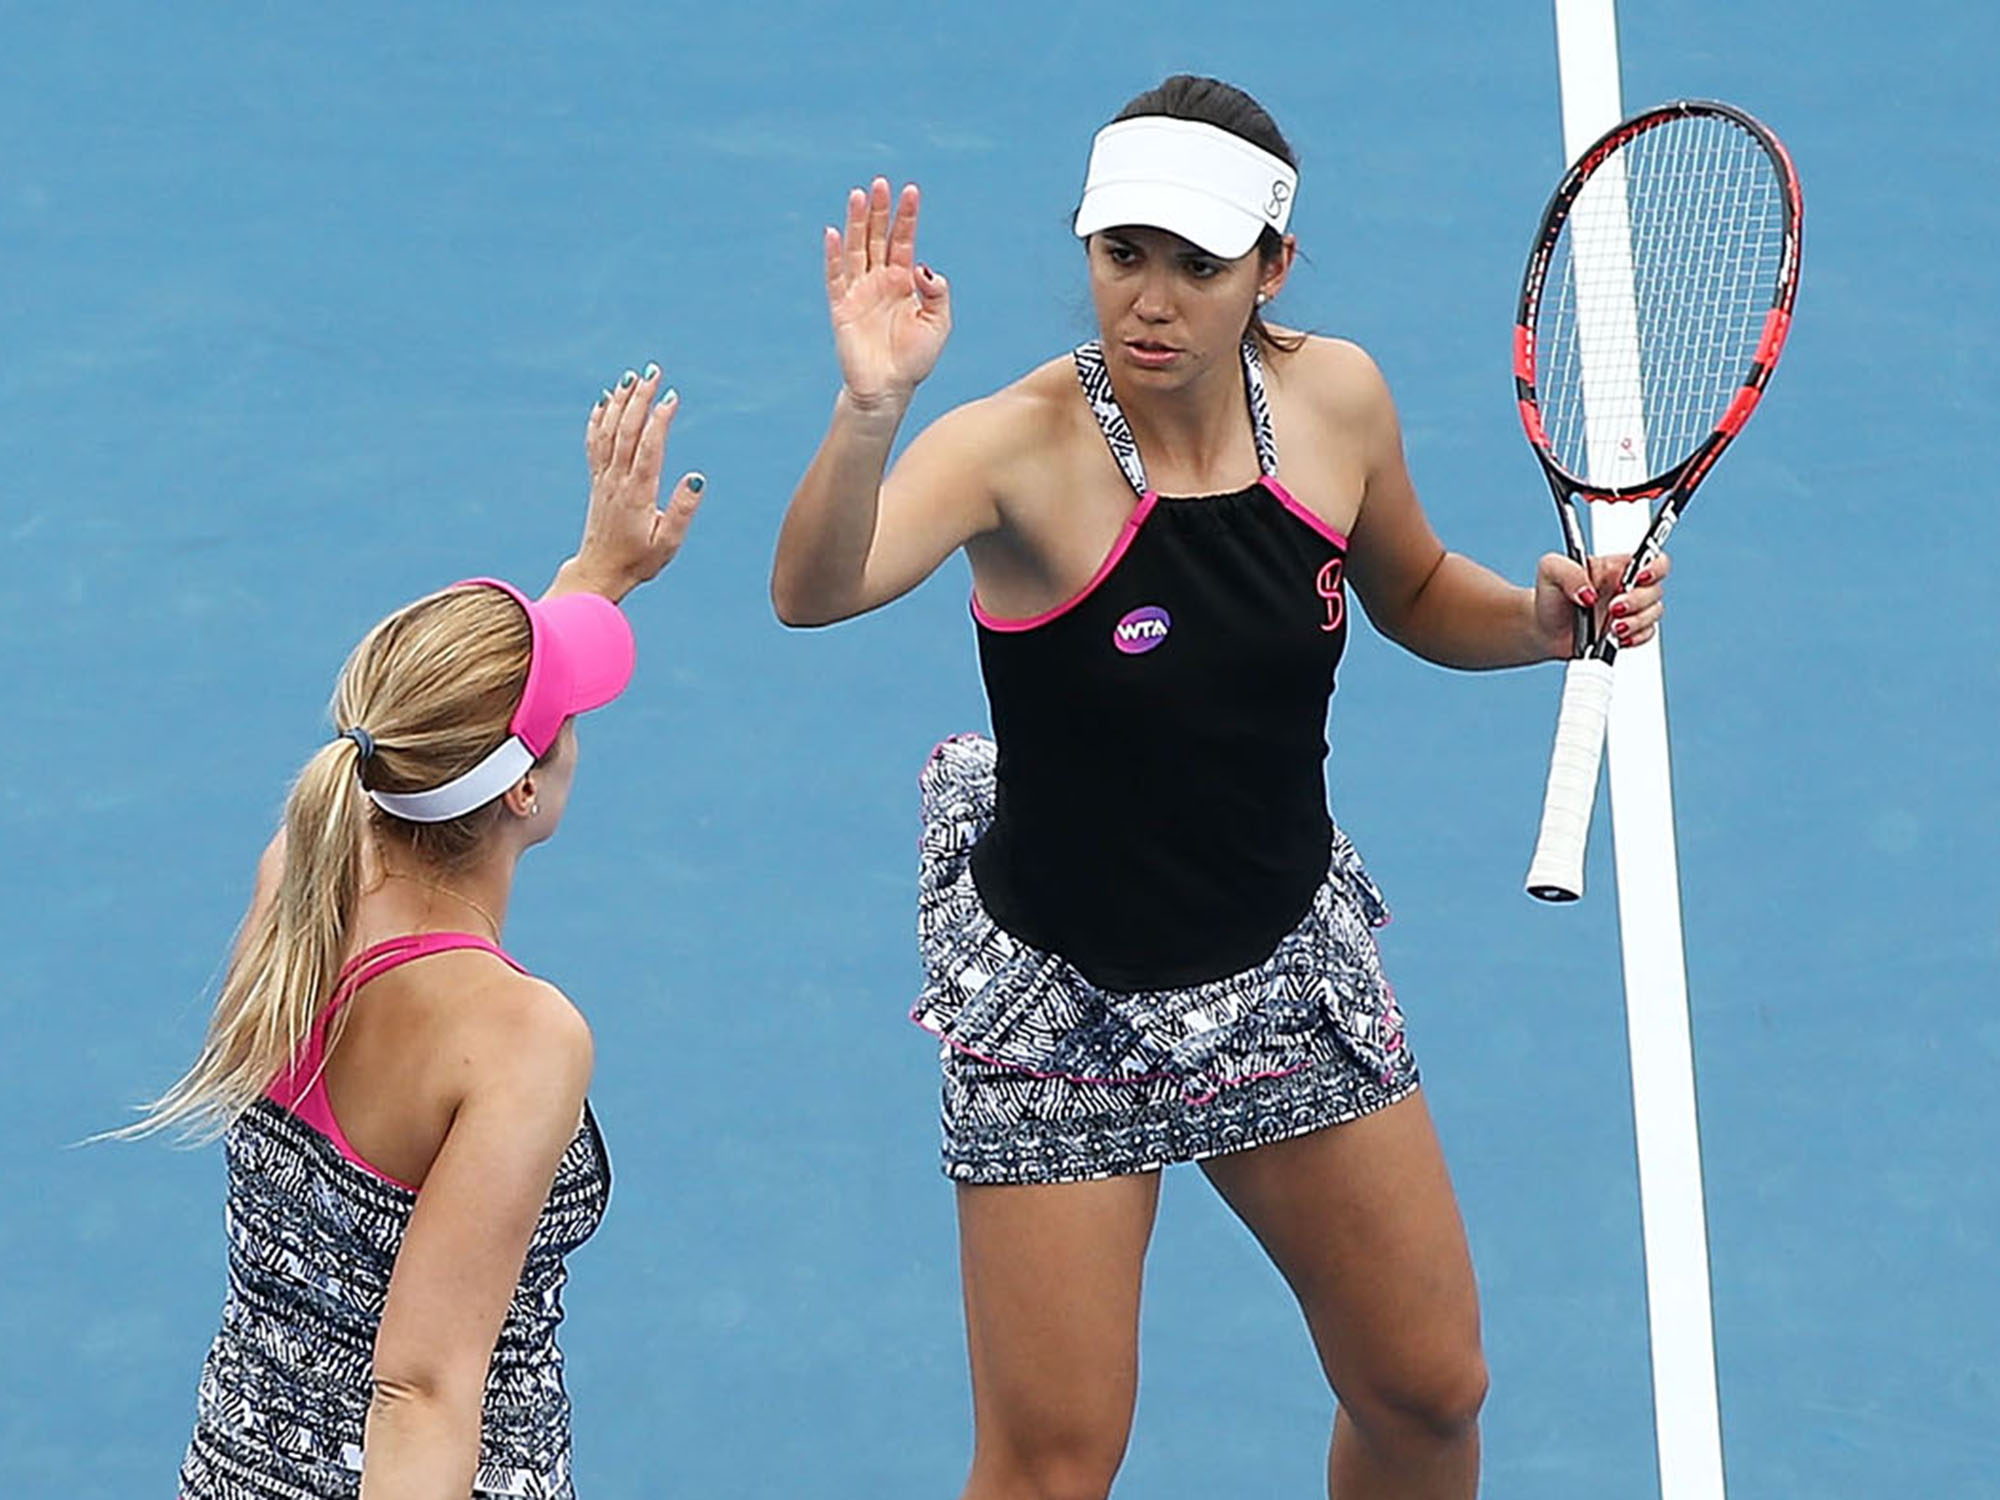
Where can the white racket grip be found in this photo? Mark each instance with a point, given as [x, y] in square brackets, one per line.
[1556, 872]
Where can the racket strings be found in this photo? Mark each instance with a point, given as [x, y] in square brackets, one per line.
[1655, 298]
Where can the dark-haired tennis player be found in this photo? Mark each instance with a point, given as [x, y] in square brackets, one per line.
[1145, 941]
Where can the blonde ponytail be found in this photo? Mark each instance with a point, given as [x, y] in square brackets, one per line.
[434, 687]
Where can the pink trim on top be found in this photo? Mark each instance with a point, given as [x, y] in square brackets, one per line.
[301, 1088]
[1270, 482]
[1111, 560]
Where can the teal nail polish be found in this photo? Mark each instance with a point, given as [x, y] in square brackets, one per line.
[671, 396]
[602, 399]
[695, 484]
[627, 380]
[652, 370]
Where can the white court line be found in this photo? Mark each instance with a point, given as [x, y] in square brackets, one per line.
[1686, 1410]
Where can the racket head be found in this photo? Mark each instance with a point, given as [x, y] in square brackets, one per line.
[1661, 282]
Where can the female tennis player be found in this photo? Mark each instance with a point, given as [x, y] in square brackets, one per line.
[410, 1153]
[1144, 939]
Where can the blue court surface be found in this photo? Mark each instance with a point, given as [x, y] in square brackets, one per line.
[301, 311]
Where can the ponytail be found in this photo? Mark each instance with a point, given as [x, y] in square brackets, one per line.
[286, 959]
[434, 685]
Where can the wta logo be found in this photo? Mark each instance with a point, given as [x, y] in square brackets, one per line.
[1141, 630]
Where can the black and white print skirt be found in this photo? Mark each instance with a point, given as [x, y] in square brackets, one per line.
[1048, 1078]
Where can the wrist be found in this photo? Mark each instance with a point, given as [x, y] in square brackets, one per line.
[878, 408]
[577, 575]
[1546, 642]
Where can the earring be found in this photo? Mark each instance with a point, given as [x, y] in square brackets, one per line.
[1262, 299]
[534, 809]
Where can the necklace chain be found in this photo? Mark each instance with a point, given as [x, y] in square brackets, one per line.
[458, 896]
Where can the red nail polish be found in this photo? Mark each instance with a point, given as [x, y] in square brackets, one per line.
[1588, 594]
[1618, 609]
[1644, 578]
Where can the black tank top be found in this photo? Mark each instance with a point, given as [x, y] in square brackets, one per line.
[1160, 816]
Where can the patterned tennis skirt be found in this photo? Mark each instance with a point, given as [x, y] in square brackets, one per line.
[1048, 1078]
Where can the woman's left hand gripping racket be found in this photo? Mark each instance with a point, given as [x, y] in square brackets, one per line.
[1653, 309]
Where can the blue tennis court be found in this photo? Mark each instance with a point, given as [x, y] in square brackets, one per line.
[301, 312]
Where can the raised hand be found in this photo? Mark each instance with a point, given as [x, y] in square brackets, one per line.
[890, 314]
[627, 538]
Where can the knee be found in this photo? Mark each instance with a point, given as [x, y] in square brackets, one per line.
[1073, 1467]
[1439, 1400]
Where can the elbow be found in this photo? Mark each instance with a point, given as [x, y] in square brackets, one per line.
[794, 609]
[426, 1407]
[415, 1389]
[393, 1394]
[789, 610]
[429, 1380]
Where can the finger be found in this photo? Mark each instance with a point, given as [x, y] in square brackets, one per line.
[878, 223]
[903, 231]
[1572, 578]
[652, 449]
[597, 436]
[1638, 628]
[1656, 570]
[855, 243]
[670, 526]
[836, 266]
[1636, 605]
[1607, 572]
[934, 294]
[614, 410]
[632, 420]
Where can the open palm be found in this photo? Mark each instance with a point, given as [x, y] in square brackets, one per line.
[890, 315]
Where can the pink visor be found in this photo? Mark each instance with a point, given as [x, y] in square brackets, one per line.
[581, 658]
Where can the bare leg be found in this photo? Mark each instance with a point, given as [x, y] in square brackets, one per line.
[1361, 1220]
[1052, 1276]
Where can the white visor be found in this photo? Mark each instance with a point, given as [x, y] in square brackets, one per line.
[1198, 181]
[503, 765]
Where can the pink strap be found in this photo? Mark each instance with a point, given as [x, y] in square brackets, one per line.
[1297, 508]
[1126, 536]
[301, 1088]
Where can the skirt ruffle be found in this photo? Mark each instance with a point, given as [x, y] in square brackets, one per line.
[1319, 1000]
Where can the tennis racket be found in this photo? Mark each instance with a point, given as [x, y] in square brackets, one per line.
[1654, 306]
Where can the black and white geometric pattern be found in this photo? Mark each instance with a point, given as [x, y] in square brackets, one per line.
[1260, 408]
[1096, 382]
[312, 1242]
[1051, 1079]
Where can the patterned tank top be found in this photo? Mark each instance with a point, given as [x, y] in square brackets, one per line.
[313, 1236]
[1160, 806]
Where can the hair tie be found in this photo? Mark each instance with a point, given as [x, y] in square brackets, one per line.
[363, 741]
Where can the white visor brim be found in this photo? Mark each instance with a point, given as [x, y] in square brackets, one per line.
[1198, 181]
[502, 766]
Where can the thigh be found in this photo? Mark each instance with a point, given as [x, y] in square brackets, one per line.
[1052, 1276]
[1361, 1220]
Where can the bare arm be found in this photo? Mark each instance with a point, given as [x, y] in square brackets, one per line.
[1443, 606]
[851, 541]
[528, 1060]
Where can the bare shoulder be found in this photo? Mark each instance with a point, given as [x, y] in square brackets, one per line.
[992, 452]
[511, 1022]
[1336, 376]
[1012, 418]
